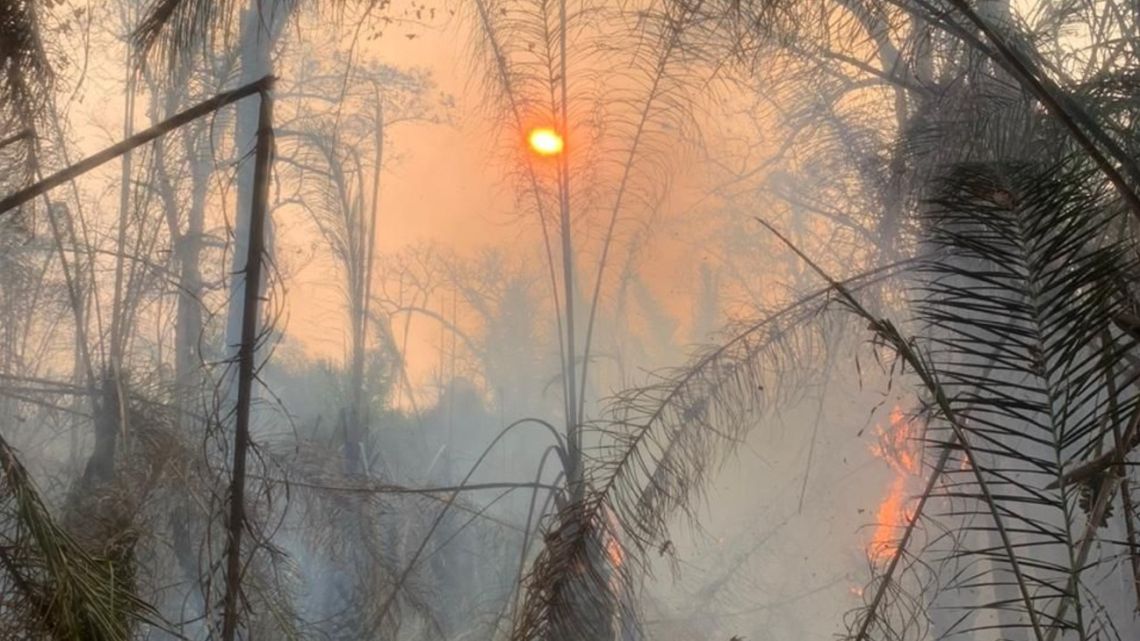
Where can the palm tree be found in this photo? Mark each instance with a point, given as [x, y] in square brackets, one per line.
[542, 62]
[1017, 191]
[993, 163]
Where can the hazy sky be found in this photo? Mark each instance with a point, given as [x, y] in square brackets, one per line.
[451, 186]
[446, 184]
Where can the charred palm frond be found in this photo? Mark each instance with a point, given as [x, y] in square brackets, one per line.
[1092, 493]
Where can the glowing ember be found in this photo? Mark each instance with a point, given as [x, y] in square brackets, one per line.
[614, 552]
[545, 141]
[897, 446]
[613, 546]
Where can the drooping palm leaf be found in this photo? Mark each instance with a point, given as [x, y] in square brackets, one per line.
[175, 25]
[58, 588]
[170, 30]
[25, 83]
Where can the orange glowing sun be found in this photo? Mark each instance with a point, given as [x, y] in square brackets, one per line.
[545, 141]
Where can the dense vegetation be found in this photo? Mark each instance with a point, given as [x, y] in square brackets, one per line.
[928, 204]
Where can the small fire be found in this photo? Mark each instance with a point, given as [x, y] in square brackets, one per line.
[898, 447]
[614, 551]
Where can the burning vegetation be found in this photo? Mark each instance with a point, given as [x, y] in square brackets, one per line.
[305, 334]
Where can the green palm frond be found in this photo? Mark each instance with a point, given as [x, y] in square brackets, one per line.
[58, 588]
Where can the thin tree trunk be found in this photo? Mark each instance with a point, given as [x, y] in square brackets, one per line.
[188, 323]
[114, 406]
[362, 295]
[261, 23]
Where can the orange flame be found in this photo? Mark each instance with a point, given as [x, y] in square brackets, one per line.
[613, 546]
[614, 551]
[898, 448]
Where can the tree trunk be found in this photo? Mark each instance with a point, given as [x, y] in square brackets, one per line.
[261, 25]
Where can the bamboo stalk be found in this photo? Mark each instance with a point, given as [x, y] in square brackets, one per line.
[245, 357]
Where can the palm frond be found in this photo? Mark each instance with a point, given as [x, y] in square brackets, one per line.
[25, 73]
[58, 587]
[26, 80]
[661, 443]
[169, 31]
[171, 28]
[1021, 327]
[1024, 369]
